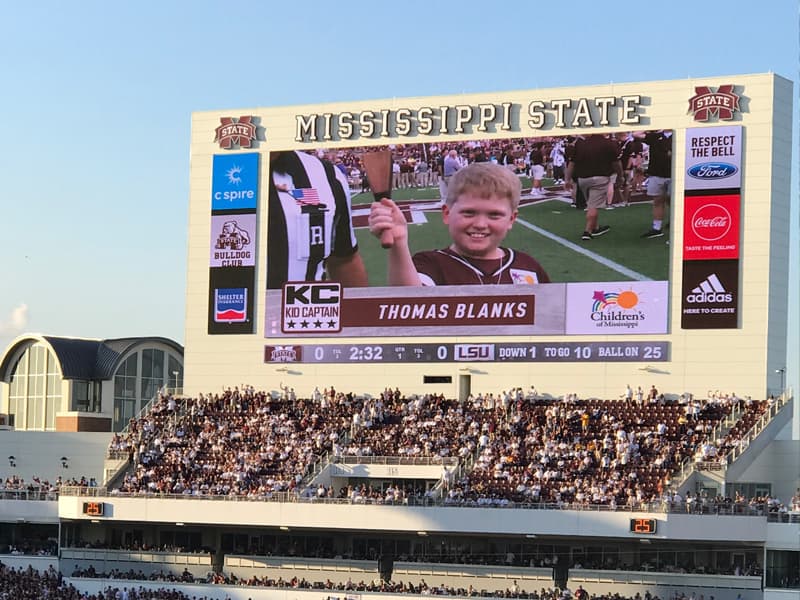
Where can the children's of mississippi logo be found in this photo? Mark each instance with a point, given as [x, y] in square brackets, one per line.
[616, 309]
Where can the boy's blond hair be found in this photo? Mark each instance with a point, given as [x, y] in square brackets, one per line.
[484, 180]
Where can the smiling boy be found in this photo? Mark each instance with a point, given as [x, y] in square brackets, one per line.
[479, 211]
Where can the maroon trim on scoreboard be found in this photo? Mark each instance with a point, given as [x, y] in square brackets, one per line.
[438, 311]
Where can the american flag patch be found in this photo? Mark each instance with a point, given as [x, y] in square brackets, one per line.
[306, 196]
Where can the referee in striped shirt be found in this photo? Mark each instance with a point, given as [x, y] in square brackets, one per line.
[311, 235]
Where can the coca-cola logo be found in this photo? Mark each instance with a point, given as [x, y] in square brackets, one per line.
[711, 222]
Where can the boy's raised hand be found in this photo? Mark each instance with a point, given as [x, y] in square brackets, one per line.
[386, 216]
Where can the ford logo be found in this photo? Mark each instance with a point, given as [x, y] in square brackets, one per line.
[712, 170]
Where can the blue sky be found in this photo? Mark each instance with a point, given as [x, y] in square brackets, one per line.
[97, 96]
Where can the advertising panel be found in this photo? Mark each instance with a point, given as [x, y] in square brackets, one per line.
[711, 227]
[234, 183]
[230, 300]
[232, 244]
[713, 158]
[233, 240]
[710, 294]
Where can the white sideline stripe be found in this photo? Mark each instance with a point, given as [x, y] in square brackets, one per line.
[631, 274]
[418, 217]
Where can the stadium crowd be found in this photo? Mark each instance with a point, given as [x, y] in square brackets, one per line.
[15, 487]
[522, 448]
[29, 584]
[375, 586]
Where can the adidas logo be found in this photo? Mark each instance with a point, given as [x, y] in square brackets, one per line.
[710, 290]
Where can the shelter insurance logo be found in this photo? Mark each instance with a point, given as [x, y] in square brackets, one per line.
[230, 305]
[707, 103]
[235, 133]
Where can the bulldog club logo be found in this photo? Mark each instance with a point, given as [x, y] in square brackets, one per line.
[711, 222]
[708, 102]
[235, 133]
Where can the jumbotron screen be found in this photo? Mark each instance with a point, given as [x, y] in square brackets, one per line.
[544, 275]
[456, 236]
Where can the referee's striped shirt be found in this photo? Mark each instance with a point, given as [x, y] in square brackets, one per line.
[309, 218]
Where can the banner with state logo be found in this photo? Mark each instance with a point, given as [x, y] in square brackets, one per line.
[712, 228]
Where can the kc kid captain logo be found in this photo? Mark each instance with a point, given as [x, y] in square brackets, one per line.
[230, 305]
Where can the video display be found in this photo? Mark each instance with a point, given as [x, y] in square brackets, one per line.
[560, 235]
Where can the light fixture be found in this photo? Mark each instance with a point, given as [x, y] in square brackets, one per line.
[179, 524]
[284, 528]
[781, 372]
[12, 461]
[531, 536]
[422, 533]
[465, 370]
[282, 370]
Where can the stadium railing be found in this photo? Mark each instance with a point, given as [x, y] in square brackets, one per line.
[746, 509]
[762, 422]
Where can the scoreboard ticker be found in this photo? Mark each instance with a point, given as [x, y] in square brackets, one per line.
[517, 352]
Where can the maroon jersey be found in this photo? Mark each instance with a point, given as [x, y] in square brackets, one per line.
[445, 267]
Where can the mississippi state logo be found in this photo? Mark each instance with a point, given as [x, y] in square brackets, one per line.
[236, 133]
[711, 222]
[282, 354]
[708, 102]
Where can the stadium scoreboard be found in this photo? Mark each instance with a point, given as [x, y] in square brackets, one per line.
[694, 302]
[473, 352]
[94, 509]
[643, 526]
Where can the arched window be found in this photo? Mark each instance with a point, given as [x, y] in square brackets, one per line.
[125, 392]
[152, 372]
[35, 390]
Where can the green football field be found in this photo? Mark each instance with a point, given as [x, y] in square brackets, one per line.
[549, 230]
